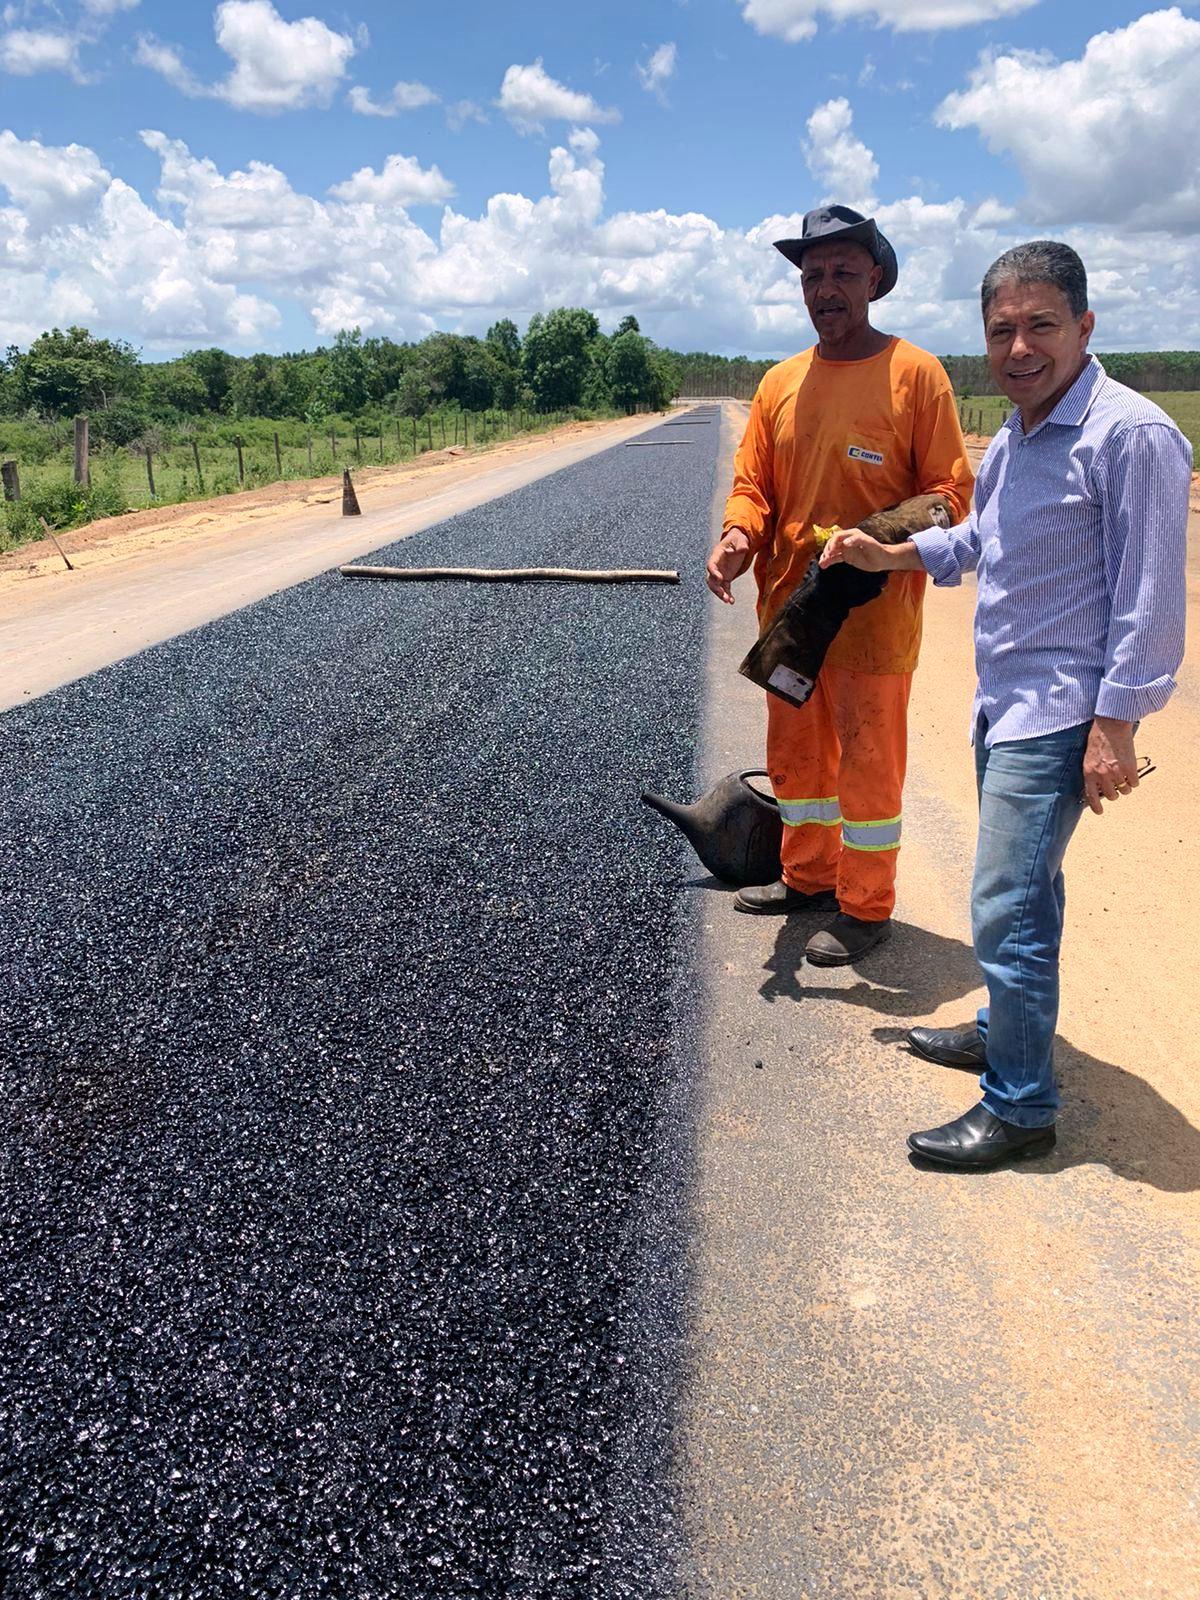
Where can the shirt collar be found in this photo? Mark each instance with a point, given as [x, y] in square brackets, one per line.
[1074, 406]
[1071, 411]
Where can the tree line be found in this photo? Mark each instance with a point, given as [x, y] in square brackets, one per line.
[704, 375]
[1149, 371]
[564, 361]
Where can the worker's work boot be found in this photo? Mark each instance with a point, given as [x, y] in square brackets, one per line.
[845, 940]
[950, 1047]
[779, 899]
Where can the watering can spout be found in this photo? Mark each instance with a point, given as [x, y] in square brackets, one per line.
[671, 809]
[735, 829]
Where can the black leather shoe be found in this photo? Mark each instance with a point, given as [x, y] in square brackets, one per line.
[777, 899]
[978, 1139]
[845, 940]
[950, 1047]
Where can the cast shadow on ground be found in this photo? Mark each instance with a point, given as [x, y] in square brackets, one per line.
[1110, 1118]
[911, 975]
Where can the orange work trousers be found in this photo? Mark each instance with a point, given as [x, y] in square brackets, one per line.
[837, 768]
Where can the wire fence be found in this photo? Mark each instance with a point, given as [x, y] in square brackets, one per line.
[51, 471]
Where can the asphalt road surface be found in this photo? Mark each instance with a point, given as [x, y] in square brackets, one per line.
[347, 1058]
[416, 1181]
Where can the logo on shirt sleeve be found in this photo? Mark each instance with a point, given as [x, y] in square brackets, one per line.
[857, 453]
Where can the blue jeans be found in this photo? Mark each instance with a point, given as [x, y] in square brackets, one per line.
[1030, 800]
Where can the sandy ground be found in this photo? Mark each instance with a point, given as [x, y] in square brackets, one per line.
[905, 1382]
[145, 577]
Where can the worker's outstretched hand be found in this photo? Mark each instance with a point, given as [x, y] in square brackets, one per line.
[858, 549]
[1110, 767]
[730, 557]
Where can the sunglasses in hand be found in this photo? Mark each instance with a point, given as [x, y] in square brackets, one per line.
[1144, 768]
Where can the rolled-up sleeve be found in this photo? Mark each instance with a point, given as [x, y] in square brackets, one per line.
[946, 553]
[751, 505]
[1145, 475]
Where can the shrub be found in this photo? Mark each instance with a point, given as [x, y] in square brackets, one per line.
[63, 504]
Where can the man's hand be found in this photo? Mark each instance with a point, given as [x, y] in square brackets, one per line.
[730, 557]
[858, 549]
[1109, 762]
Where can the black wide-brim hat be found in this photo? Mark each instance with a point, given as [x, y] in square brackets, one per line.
[840, 225]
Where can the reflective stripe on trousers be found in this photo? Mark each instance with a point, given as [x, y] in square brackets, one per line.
[883, 835]
[848, 742]
[826, 813]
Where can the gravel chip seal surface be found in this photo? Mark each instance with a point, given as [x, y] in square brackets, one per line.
[347, 1039]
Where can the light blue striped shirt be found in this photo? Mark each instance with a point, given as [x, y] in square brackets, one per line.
[1079, 532]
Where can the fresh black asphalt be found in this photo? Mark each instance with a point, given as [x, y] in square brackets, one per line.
[346, 1041]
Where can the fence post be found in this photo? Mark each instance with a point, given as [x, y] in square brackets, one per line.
[196, 459]
[443, 421]
[241, 464]
[414, 428]
[11, 479]
[308, 442]
[332, 445]
[278, 457]
[357, 443]
[83, 473]
[381, 441]
[150, 473]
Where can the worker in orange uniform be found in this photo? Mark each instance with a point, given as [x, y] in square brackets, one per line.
[856, 424]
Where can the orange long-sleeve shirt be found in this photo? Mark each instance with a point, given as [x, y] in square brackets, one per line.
[829, 442]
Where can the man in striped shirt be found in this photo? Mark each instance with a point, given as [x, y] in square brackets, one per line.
[1078, 533]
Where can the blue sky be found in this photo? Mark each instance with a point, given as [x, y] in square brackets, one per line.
[184, 174]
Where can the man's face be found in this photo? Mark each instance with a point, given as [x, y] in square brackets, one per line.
[838, 281]
[1035, 347]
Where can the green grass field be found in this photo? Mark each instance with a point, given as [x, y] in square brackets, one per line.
[1183, 406]
[121, 482]
[986, 413]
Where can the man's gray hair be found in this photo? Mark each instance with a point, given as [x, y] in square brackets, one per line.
[1042, 261]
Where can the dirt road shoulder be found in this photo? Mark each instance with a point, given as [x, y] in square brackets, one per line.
[143, 578]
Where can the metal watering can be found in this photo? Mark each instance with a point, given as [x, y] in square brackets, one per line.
[735, 829]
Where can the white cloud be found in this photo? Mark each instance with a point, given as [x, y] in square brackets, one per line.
[838, 159]
[256, 198]
[529, 97]
[108, 8]
[167, 62]
[80, 245]
[214, 257]
[401, 182]
[277, 65]
[48, 182]
[656, 73]
[25, 51]
[404, 97]
[1110, 137]
[795, 20]
[462, 112]
[992, 213]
